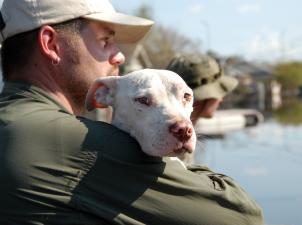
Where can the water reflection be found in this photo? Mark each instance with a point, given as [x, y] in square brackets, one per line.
[266, 161]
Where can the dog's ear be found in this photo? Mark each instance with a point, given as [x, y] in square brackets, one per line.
[100, 93]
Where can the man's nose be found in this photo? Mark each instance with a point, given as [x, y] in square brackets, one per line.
[117, 58]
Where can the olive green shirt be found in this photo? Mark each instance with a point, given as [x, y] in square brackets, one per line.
[56, 168]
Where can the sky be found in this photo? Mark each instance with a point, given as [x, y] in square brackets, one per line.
[260, 30]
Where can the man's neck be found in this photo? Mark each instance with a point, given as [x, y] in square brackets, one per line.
[49, 83]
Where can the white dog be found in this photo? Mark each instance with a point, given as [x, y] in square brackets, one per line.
[154, 106]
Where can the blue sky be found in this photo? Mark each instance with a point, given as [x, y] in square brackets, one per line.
[255, 29]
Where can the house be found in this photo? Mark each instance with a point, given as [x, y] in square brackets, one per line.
[256, 88]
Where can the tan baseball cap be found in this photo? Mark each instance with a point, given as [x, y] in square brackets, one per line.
[204, 75]
[19, 16]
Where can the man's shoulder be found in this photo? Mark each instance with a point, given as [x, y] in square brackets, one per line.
[70, 126]
[58, 128]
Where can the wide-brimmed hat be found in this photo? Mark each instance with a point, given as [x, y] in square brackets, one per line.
[20, 16]
[204, 75]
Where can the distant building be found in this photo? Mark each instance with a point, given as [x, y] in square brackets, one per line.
[255, 88]
[241, 69]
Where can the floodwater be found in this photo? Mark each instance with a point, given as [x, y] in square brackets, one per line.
[267, 162]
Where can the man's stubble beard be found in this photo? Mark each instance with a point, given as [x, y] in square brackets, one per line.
[76, 79]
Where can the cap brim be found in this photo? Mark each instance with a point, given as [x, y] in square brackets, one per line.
[128, 29]
[217, 89]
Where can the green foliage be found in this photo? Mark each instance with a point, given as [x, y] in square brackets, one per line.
[289, 74]
[144, 11]
[290, 113]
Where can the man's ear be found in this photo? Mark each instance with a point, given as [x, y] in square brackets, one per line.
[48, 41]
[100, 94]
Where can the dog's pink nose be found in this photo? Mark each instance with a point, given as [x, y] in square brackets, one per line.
[183, 130]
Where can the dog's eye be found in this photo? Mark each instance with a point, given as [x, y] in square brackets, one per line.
[187, 97]
[143, 100]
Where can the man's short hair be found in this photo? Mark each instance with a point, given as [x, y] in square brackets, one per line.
[17, 51]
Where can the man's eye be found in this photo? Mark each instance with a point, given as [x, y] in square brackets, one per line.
[105, 41]
[143, 100]
[187, 97]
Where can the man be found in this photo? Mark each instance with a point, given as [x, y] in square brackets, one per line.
[57, 167]
[205, 76]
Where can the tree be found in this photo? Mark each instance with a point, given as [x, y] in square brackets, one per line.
[144, 11]
[289, 75]
[163, 43]
[290, 113]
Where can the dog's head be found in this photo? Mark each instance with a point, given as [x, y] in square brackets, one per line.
[154, 106]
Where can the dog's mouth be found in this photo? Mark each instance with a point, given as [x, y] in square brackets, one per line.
[184, 148]
[178, 152]
[169, 146]
[182, 151]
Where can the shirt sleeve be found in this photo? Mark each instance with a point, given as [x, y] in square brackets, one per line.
[126, 186]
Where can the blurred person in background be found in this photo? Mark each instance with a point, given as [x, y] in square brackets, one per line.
[204, 75]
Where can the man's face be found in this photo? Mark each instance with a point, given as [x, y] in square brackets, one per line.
[205, 108]
[87, 56]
